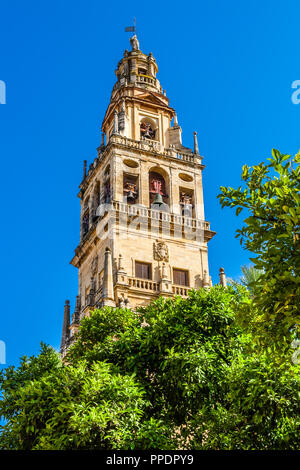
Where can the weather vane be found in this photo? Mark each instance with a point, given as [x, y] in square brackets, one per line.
[131, 29]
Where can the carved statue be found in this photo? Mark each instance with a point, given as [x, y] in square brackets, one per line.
[161, 251]
[134, 43]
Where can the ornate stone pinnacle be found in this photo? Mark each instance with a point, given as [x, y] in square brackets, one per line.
[196, 149]
[222, 277]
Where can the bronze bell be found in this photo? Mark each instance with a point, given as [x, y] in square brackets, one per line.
[130, 196]
[158, 199]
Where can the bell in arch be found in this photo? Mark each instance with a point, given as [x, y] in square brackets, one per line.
[130, 196]
[147, 134]
[158, 199]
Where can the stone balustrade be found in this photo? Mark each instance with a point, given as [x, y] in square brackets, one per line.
[180, 290]
[151, 146]
[143, 284]
[167, 217]
[140, 78]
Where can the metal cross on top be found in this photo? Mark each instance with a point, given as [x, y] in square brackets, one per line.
[131, 29]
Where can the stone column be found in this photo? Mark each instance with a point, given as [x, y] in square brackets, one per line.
[108, 285]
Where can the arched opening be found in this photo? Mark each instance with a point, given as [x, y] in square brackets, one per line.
[148, 129]
[186, 202]
[130, 188]
[158, 191]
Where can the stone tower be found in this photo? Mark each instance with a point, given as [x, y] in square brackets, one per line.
[142, 228]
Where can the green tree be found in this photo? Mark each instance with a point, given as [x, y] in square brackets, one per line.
[271, 231]
[190, 378]
[249, 278]
[51, 405]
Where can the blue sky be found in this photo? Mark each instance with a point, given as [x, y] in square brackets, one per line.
[227, 67]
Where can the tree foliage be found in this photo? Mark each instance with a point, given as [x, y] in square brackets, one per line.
[190, 378]
[205, 372]
[271, 199]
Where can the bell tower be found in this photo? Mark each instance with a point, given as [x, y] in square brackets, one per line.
[142, 227]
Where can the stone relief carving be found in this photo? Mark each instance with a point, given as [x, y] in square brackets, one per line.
[161, 251]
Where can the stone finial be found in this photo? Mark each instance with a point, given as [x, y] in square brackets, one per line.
[76, 314]
[91, 297]
[205, 280]
[222, 277]
[116, 122]
[66, 326]
[108, 286]
[175, 120]
[84, 168]
[196, 149]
